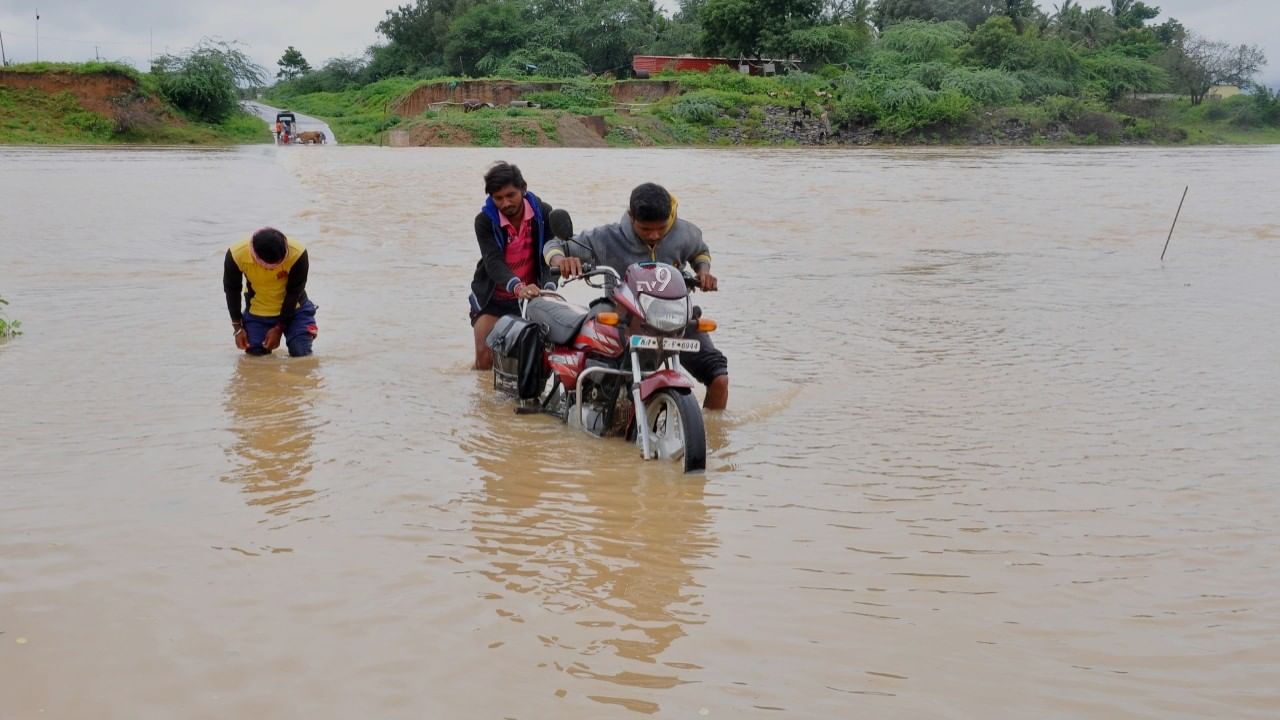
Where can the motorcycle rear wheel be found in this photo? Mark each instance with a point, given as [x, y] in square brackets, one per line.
[676, 427]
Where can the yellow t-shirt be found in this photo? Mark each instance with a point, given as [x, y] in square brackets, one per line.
[266, 288]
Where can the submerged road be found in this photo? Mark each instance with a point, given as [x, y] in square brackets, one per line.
[305, 122]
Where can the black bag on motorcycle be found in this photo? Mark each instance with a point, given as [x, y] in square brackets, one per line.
[517, 357]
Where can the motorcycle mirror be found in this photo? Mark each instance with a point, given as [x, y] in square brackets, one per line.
[561, 223]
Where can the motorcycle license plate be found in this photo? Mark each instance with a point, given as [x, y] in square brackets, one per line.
[681, 345]
[644, 342]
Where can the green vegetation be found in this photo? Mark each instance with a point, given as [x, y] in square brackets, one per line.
[189, 99]
[204, 81]
[85, 68]
[8, 328]
[884, 71]
[872, 71]
[358, 115]
[32, 117]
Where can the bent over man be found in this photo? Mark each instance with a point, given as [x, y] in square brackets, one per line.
[272, 271]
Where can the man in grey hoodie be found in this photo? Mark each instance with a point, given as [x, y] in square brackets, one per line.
[651, 231]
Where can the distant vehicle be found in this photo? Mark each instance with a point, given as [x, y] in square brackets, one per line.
[286, 127]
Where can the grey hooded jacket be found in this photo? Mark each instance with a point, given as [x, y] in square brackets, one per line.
[618, 246]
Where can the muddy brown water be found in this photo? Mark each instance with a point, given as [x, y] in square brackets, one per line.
[986, 457]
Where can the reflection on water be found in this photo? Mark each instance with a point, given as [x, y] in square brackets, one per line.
[618, 550]
[271, 403]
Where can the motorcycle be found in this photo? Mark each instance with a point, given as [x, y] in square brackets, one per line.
[615, 366]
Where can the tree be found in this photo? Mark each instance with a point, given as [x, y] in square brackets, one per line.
[1092, 28]
[607, 33]
[676, 36]
[826, 44]
[1020, 12]
[420, 29]
[1170, 32]
[1197, 64]
[1117, 74]
[203, 81]
[750, 27]
[995, 45]
[970, 12]
[544, 62]
[292, 64]
[1132, 14]
[480, 38]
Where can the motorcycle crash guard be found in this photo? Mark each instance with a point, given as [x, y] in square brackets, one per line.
[518, 369]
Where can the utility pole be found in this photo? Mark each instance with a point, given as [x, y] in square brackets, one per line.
[37, 34]
[96, 56]
[151, 47]
[4, 62]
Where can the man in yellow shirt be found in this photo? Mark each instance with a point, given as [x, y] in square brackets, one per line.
[274, 268]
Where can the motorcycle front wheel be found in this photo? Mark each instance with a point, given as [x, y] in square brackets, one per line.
[675, 426]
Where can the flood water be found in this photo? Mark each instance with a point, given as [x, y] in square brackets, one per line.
[986, 455]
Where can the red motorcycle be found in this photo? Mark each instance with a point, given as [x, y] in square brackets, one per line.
[615, 366]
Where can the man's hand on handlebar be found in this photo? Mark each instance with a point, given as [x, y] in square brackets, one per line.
[570, 267]
[707, 282]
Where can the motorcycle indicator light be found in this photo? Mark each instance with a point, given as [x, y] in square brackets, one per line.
[707, 325]
[608, 318]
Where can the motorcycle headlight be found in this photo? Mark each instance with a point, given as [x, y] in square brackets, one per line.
[665, 315]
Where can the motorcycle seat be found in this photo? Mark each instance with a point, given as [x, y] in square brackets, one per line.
[560, 321]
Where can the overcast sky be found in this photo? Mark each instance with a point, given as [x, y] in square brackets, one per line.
[322, 29]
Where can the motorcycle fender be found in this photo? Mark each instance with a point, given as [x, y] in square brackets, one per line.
[663, 379]
[567, 365]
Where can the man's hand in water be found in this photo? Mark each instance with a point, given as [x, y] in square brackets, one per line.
[570, 267]
[272, 341]
[707, 282]
[242, 338]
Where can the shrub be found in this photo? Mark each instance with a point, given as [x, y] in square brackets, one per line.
[698, 112]
[130, 115]
[1037, 85]
[920, 42]
[546, 62]
[984, 87]
[904, 95]
[1117, 74]
[887, 65]
[930, 75]
[1097, 125]
[1140, 130]
[721, 77]
[8, 328]
[900, 106]
[856, 110]
[578, 95]
[1067, 109]
[202, 82]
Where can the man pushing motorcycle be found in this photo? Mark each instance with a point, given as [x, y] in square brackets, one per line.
[650, 231]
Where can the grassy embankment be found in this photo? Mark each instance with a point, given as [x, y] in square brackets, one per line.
[726, 108]
[105, 103]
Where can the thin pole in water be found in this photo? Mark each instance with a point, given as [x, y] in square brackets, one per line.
[1175, 223]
